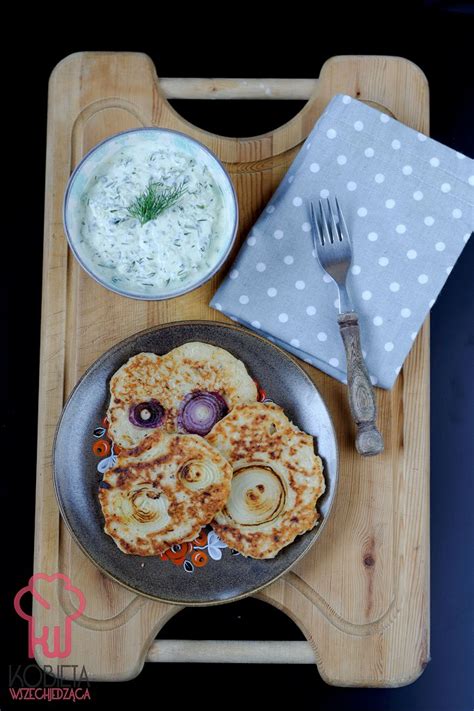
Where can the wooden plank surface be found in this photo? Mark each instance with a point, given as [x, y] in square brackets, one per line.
[361, 595]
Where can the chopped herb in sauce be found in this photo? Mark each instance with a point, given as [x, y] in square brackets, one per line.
[152, 218]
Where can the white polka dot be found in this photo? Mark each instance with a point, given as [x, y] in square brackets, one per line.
[251, 241]
[413, 336]
[283, 318]
[327, 279]
[359, 126]
[270, 209]
[261, 267]
[379, 178]
[394, 286]
[406, 313]
[366, 295]
[388, 346]
[400, 229]
[434, 162]
[423, 278]
[412, 254]
[278, 234]
[218, 307]
[234, 274]
[337, 303]
[295, 342]
[461, 156]
[300, 285]
[398, 369]
[466, 236]
[432, 303]
[369, 152]
[322, 336]
[407, 170]
[314, 167]
[334, 362]
[440, 246]
[324, 193]
[456, 213]
[346, 99]
[362, 212]
[373, 380]
[364, 353]
[297, 201]
[332, 133]
[396, 144]
[244, 299]
[445, 188]
[418, 195]
[383, 261]
[256, 324]
[372, 236]
[310, 310]
[471, 180]
[449, 270]
[291, 178]
[429, 221]
[351, 185]
[421, 137]
[390, 203]
[306, 227]
[288, 259]
[272, 291]
[308, 145]
[342, 160]
[384, 118]
[355, 269]
[377, 320]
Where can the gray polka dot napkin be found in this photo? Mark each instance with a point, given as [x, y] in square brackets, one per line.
[409, 206]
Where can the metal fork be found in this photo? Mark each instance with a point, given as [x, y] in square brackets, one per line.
[332, 247]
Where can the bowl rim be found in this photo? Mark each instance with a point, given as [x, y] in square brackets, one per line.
[176, 292]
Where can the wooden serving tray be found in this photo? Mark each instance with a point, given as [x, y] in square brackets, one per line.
[361, 595]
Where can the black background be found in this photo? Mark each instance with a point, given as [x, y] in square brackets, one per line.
[439, 37]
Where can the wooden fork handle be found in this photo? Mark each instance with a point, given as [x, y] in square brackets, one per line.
[369, 441]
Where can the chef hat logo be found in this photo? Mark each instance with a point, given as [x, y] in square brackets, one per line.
[55, 641]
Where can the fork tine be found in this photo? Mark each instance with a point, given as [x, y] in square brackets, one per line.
[326, 232]
[316, 232]
[336, 235]
[344, 232]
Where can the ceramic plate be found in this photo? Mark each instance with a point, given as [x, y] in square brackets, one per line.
[204, 572]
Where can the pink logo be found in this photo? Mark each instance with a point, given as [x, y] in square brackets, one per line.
[49, 638]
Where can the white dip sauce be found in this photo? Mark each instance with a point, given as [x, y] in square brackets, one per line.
[178, 247]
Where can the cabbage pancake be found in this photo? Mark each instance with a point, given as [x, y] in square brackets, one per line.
[277, 480]
[163, 496]
[205, 383]
[134, 411]
[187, 390]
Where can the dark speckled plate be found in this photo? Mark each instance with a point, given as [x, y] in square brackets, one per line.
[202, 573]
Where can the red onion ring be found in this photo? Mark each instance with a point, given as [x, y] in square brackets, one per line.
[200, 411]
[148, 414]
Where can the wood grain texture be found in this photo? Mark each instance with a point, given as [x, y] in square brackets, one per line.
[361, 596]
[368, 441]
[280, 89]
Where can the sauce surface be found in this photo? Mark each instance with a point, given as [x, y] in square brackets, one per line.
[176, 248]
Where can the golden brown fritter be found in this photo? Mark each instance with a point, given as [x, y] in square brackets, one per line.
[163, 492]
[277, 480]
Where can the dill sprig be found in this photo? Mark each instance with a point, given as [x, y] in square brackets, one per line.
[156, 198]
